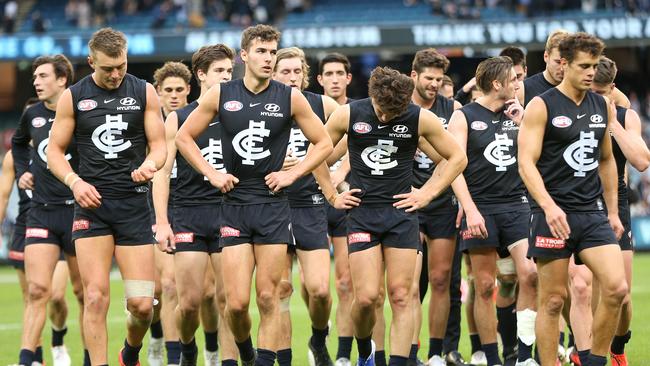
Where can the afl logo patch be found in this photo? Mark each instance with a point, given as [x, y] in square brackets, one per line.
[478, 125]
[233, 106]
[272, 107]
[596, 118]
[361, 127]
[86, 105]
[561, 121]
[127, 101]
[38, 122]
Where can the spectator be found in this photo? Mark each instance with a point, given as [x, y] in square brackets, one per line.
[72, 12]
[39, 25]
[11, 10]
[161, 13]
[130, 7]
[84, 13]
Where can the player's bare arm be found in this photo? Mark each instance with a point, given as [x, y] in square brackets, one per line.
[6, 183]
[164, 234]
[313, 129]
[609, 177]
[530, 141]
[629, 139]
[60, 136]
[155, 133]
[197, 122]
[431, 130]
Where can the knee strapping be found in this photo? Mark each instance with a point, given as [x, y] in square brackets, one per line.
[506, 266]
[138, 288]
[526, 326]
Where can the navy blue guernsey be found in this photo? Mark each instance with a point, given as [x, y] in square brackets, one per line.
[110, 134]
[381, 154]
[255, 132]
[620, 158]
[570, 154]
[192, 188]
[305, 192]
[534, 86]
[423, 166]
[35, 126]
[492, 172]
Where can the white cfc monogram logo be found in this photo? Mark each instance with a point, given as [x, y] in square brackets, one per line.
[42, 149]
[105, 136]
[377, 157]
[244, 142]
[213, 155]
[497, 152]
[423, 160]
[576, 154]
[297, 142]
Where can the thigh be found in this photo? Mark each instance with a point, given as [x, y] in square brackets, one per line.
[441, 253]
[136, 261]
[94, 257]
[553, 277]
[269, 264]
[366, 269]
[400, 263]
[40, 261]
[315, 266]
[190, 268]
[237, 265]
[518, 252]
[609, 272]
[484, 262]
[60, 278]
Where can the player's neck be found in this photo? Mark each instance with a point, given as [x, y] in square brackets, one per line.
[547, 77]
[51, 103]
[576, 95]
[491, 101]
[421, 102]
[256, 85]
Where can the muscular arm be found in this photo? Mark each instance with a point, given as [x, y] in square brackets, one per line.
[154, 129]
[6, 183]
[630, 141]
[161, 178]
[607, 170]
[620, 99]
[60, 137]
[458, 128]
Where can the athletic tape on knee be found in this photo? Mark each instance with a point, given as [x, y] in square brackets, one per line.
[138, 288]
[285, 304]
[506, 266]
[526, 326]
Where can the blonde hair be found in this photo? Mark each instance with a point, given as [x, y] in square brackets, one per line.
[295, 52]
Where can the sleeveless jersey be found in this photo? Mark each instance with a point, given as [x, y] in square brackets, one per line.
[305, 192]
[423, 166]
[255, 132]
[492, 172]
[110, 134]
[381, 154]
[620, 157]
[192, 188]
[568, 162]
[35, 126]
[534, 86]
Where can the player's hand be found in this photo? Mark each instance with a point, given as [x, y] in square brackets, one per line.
[617, 225]
[557, 222]
[165, 238]
[223, 181]
[86, 195]
[346, 200]
[276, 181]
[459, 216]
[514, 110]
[145, 172]
[414, 200]
[26, 181]
[289, 160]
[476, 224]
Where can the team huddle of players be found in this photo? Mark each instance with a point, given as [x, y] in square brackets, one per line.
[528, 178]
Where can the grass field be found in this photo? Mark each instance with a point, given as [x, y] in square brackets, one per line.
[11, 313]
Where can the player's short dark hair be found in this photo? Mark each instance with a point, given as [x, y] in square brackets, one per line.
[263, 32]
[172, 69]
[109, 41]
[334, 58]
[206, 55]
[61, 65]
[554, 39]
[446, 80]
[516, 54]
[580, 42]
[429, 57]
[390, 89]
[605, 71]
[494, 68]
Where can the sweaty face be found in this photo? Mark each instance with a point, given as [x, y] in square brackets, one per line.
[554, 65]
[428, 82]
[219, 71]
[334, 79]
[289, 72]
[173, 93]
[46, 83]
[580, 72]
[109, 71]
[260, 58]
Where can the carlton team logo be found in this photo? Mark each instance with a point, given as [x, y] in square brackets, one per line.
[244, 142]
[106, 136]
[580, 154]
[361, 127]
[213, 154]
[233, 106]
[479, 125]
[39, 122]
[378, 157]
[86, 105]
[561, 121]
[498, 152]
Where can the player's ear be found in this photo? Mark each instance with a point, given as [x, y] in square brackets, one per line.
[414, 74]
[244, 55]
[319, 79]
[91, 63]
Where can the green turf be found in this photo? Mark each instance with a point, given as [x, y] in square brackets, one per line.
[11, 313]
